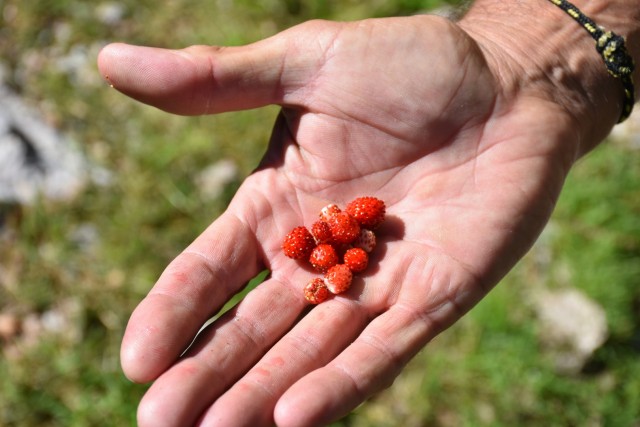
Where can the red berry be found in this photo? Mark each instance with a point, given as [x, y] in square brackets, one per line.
[298, 244]
[316, 291]
[368, 211]
[338, 278]
[344, 228]
[323, 257]
[366, 240]
[356, 259]
[321, 232]
[328, 211]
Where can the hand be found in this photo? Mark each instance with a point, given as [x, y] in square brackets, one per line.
[405, 109]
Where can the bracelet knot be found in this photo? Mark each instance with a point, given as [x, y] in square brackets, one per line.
[613, 50]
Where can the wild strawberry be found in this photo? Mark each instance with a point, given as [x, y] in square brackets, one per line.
[338, 278]
[368, 211]
[328, 211]
[321, 232]
[298, 244]
[365, 240]
[323, 257]
[316, 291]
[356, 259]
[344, 228]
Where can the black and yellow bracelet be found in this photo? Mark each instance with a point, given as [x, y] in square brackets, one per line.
[613, 51]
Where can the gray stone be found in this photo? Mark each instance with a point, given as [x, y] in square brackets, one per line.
[212, 180]
[35, 159]
[571, 327]
[627, 133]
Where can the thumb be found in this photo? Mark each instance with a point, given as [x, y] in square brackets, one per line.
[208, 79]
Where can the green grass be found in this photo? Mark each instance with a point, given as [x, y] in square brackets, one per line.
[489, 369]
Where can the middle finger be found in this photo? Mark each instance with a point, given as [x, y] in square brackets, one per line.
[322, 334]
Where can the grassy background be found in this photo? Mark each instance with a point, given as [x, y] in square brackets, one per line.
[72, 272]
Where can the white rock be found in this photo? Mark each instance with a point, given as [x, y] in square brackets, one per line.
[35, 158]
[110, 13]
[213, 179]
[627, 133]
[572, 327]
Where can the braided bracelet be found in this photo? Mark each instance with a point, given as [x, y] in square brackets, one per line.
[613, 51]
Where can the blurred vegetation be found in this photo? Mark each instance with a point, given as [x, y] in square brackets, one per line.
[71, 273]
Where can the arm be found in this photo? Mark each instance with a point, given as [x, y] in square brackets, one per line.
[541, 49]
[476, 126]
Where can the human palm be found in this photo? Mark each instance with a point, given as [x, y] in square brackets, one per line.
[405, 109]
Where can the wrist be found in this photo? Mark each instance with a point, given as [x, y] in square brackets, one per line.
[535, 49]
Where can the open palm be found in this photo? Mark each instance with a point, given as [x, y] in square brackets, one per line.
[404, 109]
